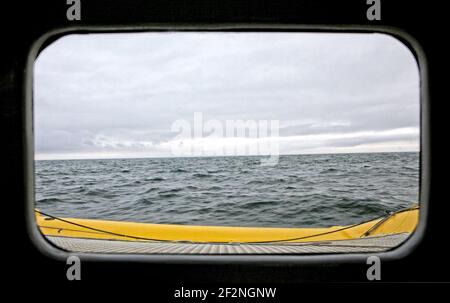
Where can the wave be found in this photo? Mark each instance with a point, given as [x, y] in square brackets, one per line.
[305, 191]
[172, 190]
[256, 182]
[329, 170]
[149, 190]
[155, 179]
[256, 204]
[49, 200]
[167, 195]
[201, 175]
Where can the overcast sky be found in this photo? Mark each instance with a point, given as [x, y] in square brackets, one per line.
[117, 95]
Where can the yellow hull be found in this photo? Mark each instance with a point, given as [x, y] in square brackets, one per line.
[400, 222]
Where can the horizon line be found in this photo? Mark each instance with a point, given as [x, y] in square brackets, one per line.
[218, 156]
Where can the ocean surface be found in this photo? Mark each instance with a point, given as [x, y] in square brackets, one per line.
[301, 191]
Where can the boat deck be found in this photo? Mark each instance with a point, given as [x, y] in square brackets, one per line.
[361, 245]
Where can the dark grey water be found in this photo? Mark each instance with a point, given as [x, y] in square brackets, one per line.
[302, 190]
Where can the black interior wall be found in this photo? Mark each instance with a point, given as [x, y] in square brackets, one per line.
[23, 23]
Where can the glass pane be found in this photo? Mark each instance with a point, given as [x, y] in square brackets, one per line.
[282, 136]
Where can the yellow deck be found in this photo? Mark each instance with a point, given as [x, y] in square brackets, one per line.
[401, 222]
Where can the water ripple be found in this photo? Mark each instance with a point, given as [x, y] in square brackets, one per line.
[302, 190]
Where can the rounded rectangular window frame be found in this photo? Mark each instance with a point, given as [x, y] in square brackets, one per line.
[49, 250]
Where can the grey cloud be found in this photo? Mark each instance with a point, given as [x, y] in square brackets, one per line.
[131, 87]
